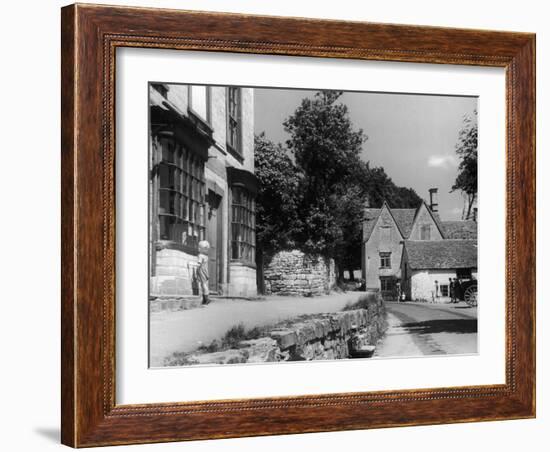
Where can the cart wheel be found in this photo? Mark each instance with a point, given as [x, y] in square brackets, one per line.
[470, 296]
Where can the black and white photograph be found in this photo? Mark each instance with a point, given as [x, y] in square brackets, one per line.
[295, 225]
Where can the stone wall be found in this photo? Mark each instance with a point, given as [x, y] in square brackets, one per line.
[174, 274]
[296, 273]
[340, 335]
[242, 281]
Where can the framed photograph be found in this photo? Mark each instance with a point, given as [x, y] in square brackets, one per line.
[281, 225]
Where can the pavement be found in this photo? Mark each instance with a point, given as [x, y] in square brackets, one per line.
[185, 331]
[418, 329]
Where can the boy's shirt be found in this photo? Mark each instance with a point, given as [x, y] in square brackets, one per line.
[203, 266]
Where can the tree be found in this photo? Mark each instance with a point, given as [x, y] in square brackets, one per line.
[314, 193]
[276, 203]
[369, 187]
[326, 150]
[466, 149]
[349, 213]
[379, 187]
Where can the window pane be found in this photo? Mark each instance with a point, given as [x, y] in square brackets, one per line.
[167, 150]
[164, 199]
[184, 202]
[242, 225]
[199, 101]
[167, 176]
[164, 228]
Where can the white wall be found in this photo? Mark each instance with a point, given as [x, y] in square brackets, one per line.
[423, 283]
[31, 274]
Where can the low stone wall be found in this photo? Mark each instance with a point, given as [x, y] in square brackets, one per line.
[174, 274]
[296, 273]
[339, 335]
[242, 281]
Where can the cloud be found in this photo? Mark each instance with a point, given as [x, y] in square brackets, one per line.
[441, 161]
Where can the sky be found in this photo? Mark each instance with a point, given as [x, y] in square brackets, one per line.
[412, 136]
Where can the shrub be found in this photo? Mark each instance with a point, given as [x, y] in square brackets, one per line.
[232, 337]
[363, 303]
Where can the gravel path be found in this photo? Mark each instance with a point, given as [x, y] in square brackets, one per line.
[184, 331]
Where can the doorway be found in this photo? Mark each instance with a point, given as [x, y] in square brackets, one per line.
[214, 237]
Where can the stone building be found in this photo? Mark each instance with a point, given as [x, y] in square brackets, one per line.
[428, 266]
[385, 232]
[201, 186]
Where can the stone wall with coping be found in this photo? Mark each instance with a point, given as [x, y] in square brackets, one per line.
[296, 273]
[339, 335]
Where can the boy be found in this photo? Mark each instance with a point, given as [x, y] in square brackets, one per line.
[202, 270]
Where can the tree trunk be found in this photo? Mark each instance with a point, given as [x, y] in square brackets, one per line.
[340, 271]
[351, 275]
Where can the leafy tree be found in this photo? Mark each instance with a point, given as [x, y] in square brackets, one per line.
[368, 187]
[326, 149]
[466, 149]
[349, 212]
[315, 201]
[379, 188]
[276, 204]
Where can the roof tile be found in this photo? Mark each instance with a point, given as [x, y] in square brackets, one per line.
[441, 254]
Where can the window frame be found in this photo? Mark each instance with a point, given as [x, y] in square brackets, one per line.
[385, 255]
[248, 238]
[189, 211]
[195, 113]
[235, 150]
[388, 280]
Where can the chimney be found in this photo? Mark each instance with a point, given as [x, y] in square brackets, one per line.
[433, 200]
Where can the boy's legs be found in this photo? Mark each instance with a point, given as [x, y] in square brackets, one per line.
[205, 291]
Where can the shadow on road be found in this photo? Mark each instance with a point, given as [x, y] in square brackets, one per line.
[460, 326]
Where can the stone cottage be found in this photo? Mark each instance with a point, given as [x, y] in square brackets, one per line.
[385, 232]
[428, 266]
[201, 186]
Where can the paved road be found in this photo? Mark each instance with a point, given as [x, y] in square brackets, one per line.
[429, 329]
[185, 331]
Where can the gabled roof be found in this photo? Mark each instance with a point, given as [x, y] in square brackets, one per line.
[435, 218]
[441, 254]
[404, 219]
[466, 229]
[370, 217]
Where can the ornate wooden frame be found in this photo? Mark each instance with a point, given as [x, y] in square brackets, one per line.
[90, 35]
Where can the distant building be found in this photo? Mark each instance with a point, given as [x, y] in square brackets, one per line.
[201, 186]
[428, 266]
[387, 230]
